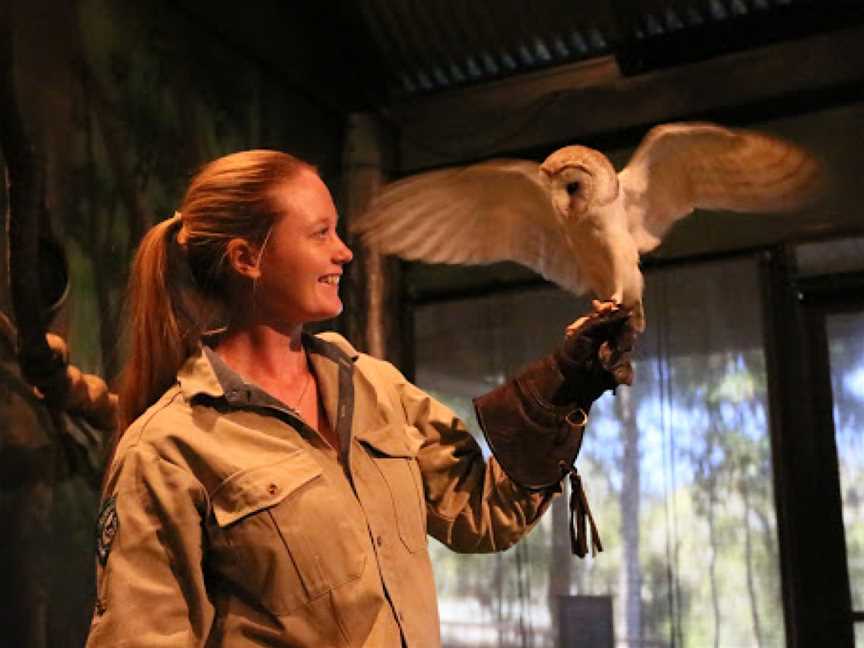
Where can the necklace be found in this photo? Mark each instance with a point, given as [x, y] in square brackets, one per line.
[296, 407]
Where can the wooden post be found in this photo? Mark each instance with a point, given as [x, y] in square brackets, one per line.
[373, 320]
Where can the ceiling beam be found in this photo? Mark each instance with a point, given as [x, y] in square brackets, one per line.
[584, 101]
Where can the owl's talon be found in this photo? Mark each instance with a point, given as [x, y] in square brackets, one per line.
[571, 328]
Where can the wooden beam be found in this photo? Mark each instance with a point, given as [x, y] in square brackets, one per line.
[583, 101]
[372, 289]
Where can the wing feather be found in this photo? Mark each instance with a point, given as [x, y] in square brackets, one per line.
[684, 166]
[499, 210]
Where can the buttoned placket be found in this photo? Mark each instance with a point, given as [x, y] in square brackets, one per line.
[243, 395]
[379, 537]
[345, 415]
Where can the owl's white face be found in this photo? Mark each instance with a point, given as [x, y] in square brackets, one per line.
[579, 178]
[571, 190]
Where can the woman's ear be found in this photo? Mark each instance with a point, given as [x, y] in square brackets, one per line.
[244, 258]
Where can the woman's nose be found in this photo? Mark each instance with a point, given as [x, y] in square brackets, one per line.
[343, 253]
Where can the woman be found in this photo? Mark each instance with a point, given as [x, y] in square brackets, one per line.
[274, 488]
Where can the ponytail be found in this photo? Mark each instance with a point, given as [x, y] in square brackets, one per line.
[180, 276]
[161, 335]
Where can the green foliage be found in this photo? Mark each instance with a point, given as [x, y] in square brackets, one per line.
[707, 536]
[152, 97]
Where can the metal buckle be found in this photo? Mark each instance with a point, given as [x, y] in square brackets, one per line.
[581, 418]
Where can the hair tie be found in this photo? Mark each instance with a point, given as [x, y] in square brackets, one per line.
[182, 232]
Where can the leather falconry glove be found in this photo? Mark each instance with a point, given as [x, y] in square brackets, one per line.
[534, 423]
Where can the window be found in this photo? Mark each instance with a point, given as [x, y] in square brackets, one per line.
[846, 358]
[677, 470]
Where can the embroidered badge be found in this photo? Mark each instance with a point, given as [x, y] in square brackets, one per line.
[107, 525]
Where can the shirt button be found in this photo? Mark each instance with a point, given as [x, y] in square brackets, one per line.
[272, 489]
[379, 540]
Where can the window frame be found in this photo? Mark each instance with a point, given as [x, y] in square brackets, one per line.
[813, 569]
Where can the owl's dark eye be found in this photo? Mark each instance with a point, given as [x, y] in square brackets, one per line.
[572, 188]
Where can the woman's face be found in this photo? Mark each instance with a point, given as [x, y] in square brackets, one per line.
[301, 265]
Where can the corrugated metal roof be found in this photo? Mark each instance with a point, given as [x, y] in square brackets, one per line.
[428, 46]
[432, 45]
[360, 54]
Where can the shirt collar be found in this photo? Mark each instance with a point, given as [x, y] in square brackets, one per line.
[197, 376]
[205, 374]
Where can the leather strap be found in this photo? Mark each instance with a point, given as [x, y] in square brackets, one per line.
[580, 512]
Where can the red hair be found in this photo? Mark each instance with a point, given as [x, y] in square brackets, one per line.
[230, 197]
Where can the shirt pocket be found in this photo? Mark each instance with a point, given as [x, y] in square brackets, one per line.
[287, 540]
[393, 451]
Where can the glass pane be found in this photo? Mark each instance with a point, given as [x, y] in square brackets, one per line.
[846, 348]
[677, 471]
[827, 257]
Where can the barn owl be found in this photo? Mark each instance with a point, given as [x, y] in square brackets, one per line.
[576, 221]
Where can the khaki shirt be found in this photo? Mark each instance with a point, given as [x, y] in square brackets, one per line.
[228, 521]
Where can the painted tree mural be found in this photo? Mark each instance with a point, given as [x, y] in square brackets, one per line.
[141, 95]
[123, 101]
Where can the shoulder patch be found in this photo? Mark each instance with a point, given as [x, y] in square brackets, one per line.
[107, 525]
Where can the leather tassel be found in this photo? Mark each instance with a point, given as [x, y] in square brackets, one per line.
[580, 513]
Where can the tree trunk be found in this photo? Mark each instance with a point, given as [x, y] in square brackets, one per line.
[560, 565]
[748, 548]
[25, 180]
[712, 566]
[631, 579]
[498, 584]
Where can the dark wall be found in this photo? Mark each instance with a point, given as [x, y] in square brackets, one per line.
[126, 100]
[123, 101]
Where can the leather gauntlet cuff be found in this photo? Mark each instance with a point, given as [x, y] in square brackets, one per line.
[535, 422]
[527, 433]
[535, 435]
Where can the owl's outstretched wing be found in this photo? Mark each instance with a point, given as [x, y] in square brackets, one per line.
[680, 167]
[491, 211]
